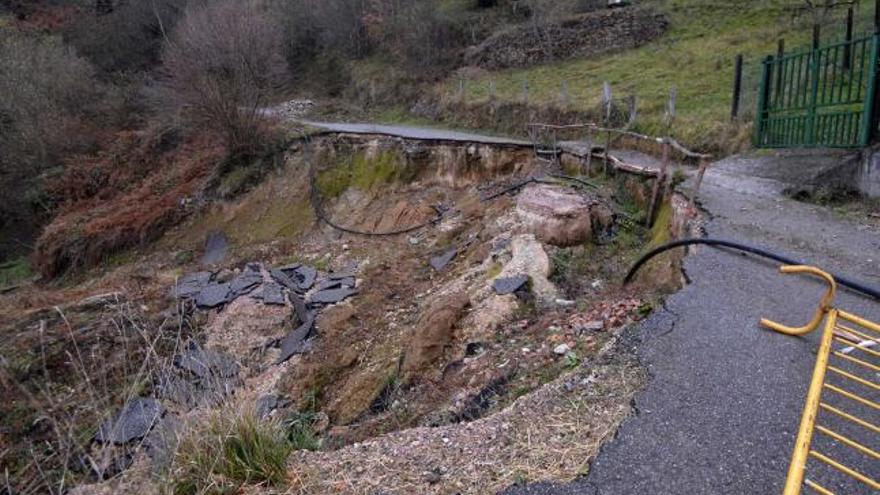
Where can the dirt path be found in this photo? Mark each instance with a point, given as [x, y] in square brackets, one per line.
[724, 402]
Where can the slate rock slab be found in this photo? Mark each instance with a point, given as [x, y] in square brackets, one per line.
[328, 285]
[244, 283]
[341, 275]
[305, 277]
[294, 342]
[132, 422]
[440, 262]
[216, 246]
[281, 277]
[270, 402]
[204, 363]
[190, 285]
[299, 308]
[162, 441]
[290, 269]
[332, 296]
[504, 286]
[273, 293]
[213, 295]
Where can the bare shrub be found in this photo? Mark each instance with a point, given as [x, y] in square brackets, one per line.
[222, 65]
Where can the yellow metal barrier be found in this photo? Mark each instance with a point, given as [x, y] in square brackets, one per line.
[862, 340]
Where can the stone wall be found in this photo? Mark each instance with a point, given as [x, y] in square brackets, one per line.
[586, 35]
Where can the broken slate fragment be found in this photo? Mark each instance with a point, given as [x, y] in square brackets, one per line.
[328, 285]
[245, 283]
[294, 342]
[273, 294]
[279, 276]
[205, 363]
[299, 308]
[305, 277]
[504, 286]
[215, 248]
[341, 275]
[132, 422]
[440, 262]
[332, 296]
[290, 269]
[213, 295]
[190, 285]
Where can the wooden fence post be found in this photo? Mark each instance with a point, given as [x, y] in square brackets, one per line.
[492, 91]
[737, 87]
[589, 151]
[461, 89]
[704, 164]
[563, 93]
[525, 92]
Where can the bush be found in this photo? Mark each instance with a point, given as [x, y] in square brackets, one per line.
[222, 65]
[51, 107]
[232, 449]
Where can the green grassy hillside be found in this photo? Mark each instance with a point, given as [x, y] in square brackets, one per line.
[696, 56]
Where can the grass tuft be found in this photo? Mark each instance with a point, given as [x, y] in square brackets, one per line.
[232, 449]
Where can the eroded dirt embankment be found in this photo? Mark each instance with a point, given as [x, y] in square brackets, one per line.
[442, 369]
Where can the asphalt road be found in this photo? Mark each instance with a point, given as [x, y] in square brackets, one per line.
[410, 132]
[721, 410]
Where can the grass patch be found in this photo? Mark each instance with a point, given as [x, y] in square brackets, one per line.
[15, 271]
[232, 449]
[301, 431]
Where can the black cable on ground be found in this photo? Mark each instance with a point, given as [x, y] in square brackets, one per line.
[575, 179]
[851, 284]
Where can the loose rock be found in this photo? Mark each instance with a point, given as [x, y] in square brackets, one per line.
[213, 295]
[504, 286]
[132, 422]
[440, 262]
[332, 296]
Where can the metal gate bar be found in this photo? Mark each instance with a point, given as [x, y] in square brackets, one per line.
[856, 353]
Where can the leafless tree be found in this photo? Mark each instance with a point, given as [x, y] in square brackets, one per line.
[222, 64]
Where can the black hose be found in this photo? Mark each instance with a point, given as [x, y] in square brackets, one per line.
[851, 284]
[321, 214]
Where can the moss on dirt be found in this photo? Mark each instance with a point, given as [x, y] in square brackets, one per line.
[660, 233]
[362, 171]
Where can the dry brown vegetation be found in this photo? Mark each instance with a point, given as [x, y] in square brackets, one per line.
[124, 198]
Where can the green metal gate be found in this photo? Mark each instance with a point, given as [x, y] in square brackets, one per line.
[819, 97]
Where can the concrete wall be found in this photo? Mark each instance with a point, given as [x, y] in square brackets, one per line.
[867, 180]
